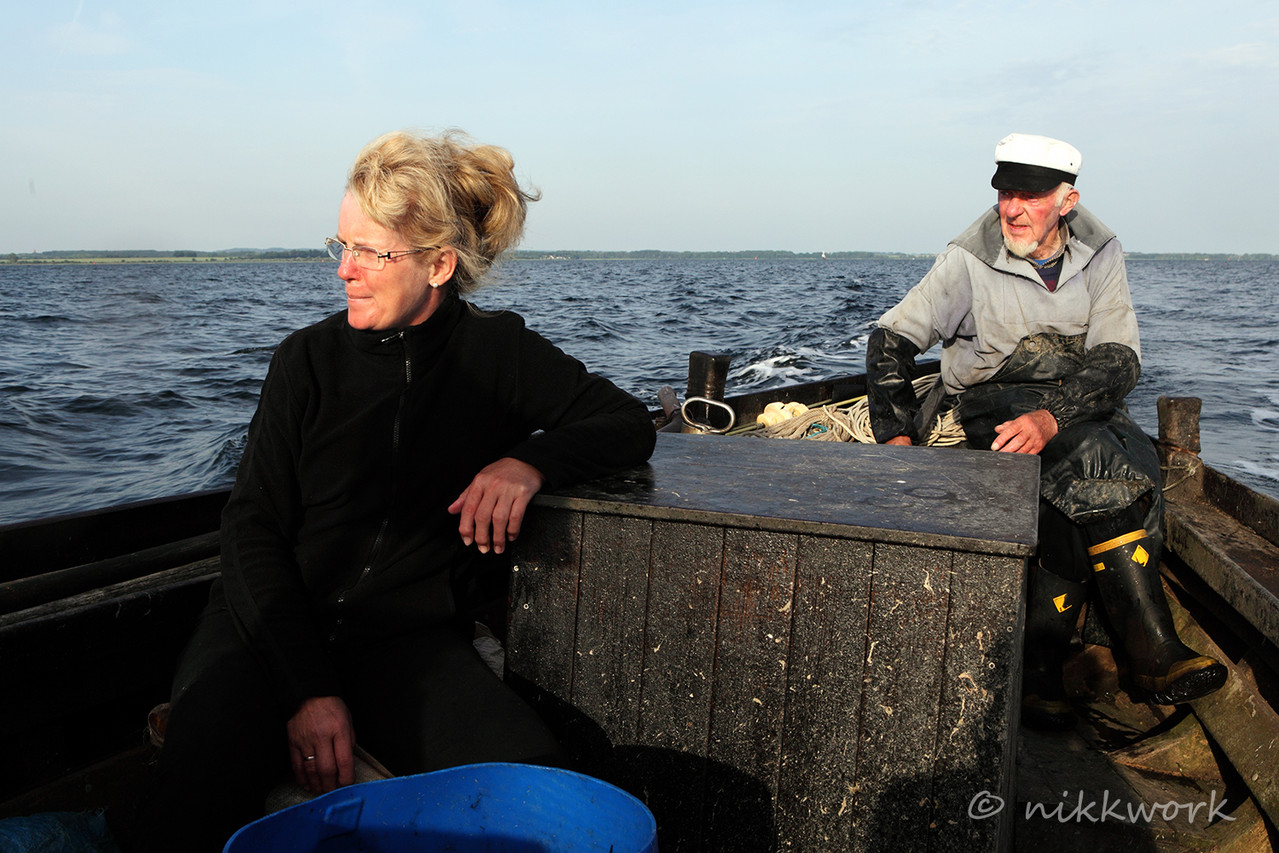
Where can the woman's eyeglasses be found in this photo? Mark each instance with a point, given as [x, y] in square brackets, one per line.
[364, 257]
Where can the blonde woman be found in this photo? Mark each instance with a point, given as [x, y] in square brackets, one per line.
[395, 448]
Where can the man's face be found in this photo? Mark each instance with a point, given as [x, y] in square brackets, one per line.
[1029, 220]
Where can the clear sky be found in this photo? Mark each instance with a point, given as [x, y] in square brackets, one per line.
[807, 126]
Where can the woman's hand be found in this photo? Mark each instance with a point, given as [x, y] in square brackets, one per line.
[1027, 433]
[491, 509]
[321, 740]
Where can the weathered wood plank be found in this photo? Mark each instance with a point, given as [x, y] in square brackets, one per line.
[1260, 512]
[1236, 562]
[679, 664]
[1238, 717]
[825, 671]
[612, 608]
[543, 625]
[680, 650]
[981, 678]
[756, 602]
[135, 594]
[27, 592]
[960, 499]
[900, 713]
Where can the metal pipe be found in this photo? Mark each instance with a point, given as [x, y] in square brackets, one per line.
[707, 377]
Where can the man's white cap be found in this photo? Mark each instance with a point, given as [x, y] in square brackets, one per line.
[1034, 163]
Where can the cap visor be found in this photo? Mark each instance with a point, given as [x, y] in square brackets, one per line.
[1023, 177]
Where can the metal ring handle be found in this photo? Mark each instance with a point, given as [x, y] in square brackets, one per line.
[704, 427]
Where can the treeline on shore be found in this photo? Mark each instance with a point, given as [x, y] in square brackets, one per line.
[1198, 256]
[153, 255]
[188, 256]
[660, 255]
[89, 255]
[656, 254]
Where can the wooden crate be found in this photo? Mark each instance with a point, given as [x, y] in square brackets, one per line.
[786, 644]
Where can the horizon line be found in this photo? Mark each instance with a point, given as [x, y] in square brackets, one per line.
[544, 254]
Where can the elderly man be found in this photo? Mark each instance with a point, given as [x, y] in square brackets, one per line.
[1039, 349]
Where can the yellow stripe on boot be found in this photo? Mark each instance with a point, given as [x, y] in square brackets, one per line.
[1139, 555]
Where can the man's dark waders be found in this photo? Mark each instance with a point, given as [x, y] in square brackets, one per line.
[1101, 516]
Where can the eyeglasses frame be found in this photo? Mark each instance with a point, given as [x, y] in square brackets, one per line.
[381, 257]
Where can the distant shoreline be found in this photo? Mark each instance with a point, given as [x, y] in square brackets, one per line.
[241, 256]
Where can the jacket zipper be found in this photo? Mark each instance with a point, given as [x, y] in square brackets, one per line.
[395, 450]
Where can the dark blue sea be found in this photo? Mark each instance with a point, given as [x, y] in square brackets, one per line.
[120, 382]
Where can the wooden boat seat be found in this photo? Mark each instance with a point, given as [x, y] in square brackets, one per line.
[778, 644]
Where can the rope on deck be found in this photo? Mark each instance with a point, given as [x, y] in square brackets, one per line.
[834, 422]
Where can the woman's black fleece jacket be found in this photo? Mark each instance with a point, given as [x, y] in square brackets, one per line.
[336, 533]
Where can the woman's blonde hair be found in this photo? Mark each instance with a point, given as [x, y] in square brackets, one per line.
[443, 191]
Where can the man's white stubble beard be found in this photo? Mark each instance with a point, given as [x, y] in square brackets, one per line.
[1019, 248]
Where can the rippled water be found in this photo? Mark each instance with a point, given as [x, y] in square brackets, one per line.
[127, 381]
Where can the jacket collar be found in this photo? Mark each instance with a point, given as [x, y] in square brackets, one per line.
[985, 241]
[424, 339]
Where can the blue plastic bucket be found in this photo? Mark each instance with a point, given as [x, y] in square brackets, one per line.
[512, 808]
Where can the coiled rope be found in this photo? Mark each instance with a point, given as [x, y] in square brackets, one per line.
[834, 422]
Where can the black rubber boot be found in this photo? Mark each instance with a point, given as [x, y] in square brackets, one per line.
[1052, 611]
[1126, 569]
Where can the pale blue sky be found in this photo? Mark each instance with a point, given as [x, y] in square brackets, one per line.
[749, 125]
